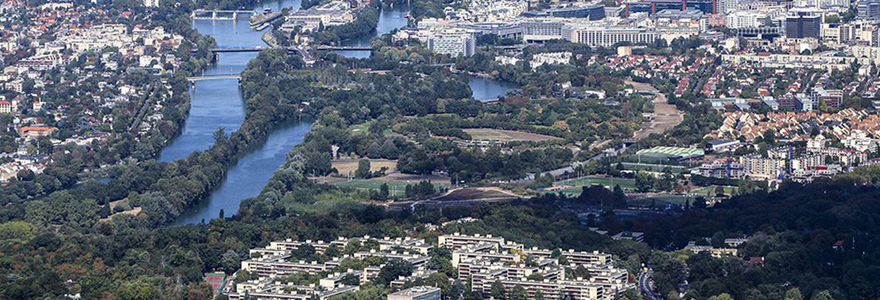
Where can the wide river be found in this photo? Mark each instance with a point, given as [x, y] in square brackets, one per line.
[218, 103]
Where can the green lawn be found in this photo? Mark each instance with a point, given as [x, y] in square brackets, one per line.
[625, 183]
[360, 128]
[704, 191]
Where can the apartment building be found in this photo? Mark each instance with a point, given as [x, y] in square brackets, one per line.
[452, 42]
[481, 260]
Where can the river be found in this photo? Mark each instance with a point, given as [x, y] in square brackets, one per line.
[389, 20]
[218, 103]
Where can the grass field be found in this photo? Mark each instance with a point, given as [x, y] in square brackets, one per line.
[625, 183]
[397, 188]
[327, 202]
[502, 135]
[360, 128]
[705, 191]
[347, 166]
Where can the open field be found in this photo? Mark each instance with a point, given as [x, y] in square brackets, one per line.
[396, 181]
[397, 188]
[360, 128]
[134, 211]
[476, 194]
[347, 166]
[710, 190]
[502, 135]
[666, 115]
[574, 185]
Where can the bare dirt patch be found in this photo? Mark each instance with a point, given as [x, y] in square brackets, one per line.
[666, 116]
[347, 166]
[476, 194]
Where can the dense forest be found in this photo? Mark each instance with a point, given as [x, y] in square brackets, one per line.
[818, 237]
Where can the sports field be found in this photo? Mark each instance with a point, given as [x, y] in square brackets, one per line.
[576, 184]
[397, 188]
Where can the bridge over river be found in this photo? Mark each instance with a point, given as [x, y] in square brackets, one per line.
[204, 14]
[212, 77]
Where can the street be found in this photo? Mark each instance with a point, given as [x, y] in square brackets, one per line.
[646, 285]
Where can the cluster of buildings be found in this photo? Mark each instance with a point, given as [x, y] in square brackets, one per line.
[791, 25]
[588, 23]
[815, 145]
[798, 126]
[481, 261]
[786, 163]
[333, 13]
[96, 47]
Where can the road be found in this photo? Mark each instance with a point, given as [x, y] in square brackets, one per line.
[646, 285]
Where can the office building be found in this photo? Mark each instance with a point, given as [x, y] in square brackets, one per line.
[803, 103]
[802, 26]
[747, 19]
[831, 98]
[868, 9]
[591, 12]
[608, 36]
[654, 6]
[452, 43]
[861, 32]
[538, 29]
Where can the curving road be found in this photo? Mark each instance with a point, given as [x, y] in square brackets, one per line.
[646, 286]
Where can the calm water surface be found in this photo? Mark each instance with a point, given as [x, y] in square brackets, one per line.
[219, 104]
[485, 89]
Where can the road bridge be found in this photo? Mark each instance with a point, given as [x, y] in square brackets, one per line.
[237, 49]
[344, 48]
[206, 14]
[212, 77]
[306, 56]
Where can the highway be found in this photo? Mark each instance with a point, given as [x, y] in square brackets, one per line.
[646, 286]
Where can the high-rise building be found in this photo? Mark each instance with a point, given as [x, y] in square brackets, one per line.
[868, 9]
[654, 6]
[452, 43]
[802, 26]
